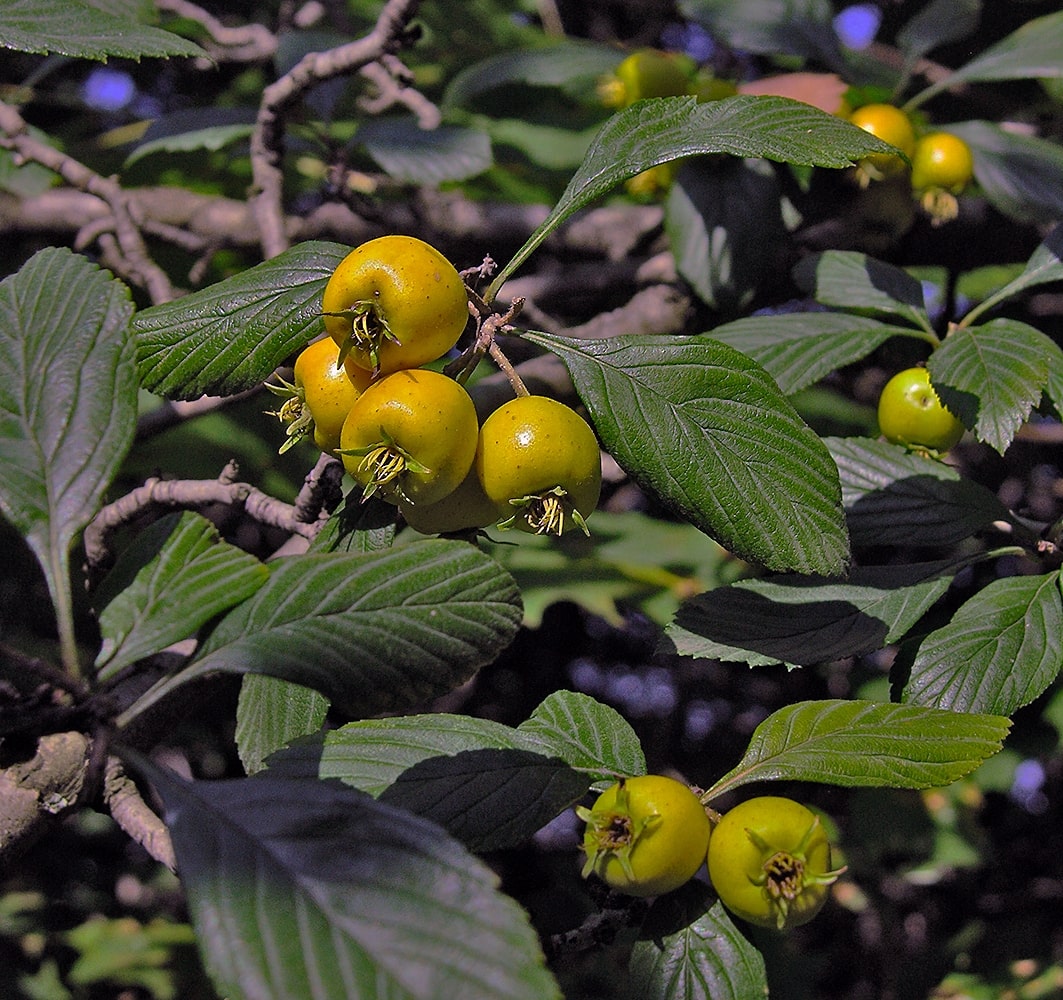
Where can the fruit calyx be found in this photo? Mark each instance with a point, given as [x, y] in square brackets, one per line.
[545, 512]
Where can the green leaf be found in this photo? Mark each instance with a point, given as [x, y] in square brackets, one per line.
[357, 527]
[687, 949]
[372, 754]
[1030, 52]
[270, 713]
[414, 155]
[174, 577]
[772, 27]
[586, 734]
[844, 279]
[232, 335]
[548, 146]
[68, 405]
[938, 23]
[1020, 175]
[798, 349]
[1002, 648]
[373, 633]
[864, 743]
[1044, 267]
[992, 376]
[192, 130]
[489, 785]
[896, 497]
[575, 65]
[306, 889]
[721, 217]
[803, 621]
[490, 800]
[81, 30]
[706, 430]
[656, 131]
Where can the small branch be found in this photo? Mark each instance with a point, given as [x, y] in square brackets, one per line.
[131, 259]
[132, 814]
[243, 43]
[391, 80]
[321, 492]
[191, 494]
[267, 140]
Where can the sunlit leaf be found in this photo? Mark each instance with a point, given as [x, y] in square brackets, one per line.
[82, 30]
[373, 633]
[662, 129]
[992, 376]
[1003, 647]
[174, 577]
[68, 402]
[799, 349]
[706, 430]
[864, 743]
[232, 335]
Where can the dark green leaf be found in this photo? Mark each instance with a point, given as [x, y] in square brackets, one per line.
[725, 229]
[488, 784]
[306, 890]
[586, 734]
[795, 27]
[1031, 51]
[358, 526]
[414, 155]
[865, 743]
[189, 131]
[1002, 648]
[68, 401]
[656, 131]
[798, 349]
[489, 799]
[567, 63]
[895, 497]
[992, 376]
[706, 430]
[372, 753]
[229, 337]
[82, 30]
[373, 633]
[844, 279]
[938, 23]
[704, 958]
[270, 713]
[1021, 175]
[175, 576]
[1044, 267]
[803, 621]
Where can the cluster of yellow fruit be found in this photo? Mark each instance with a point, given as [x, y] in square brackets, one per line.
[411, 435]
[942, 164]
[769, 858]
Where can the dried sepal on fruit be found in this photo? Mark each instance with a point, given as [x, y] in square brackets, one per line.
[645, 835]
[769, 861]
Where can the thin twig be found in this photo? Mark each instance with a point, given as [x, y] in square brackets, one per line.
[267, 140]
[189, 494]
[242, 43]
[133, 260]
[134, 816]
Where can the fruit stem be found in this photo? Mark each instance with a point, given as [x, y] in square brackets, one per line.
[504, 363]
